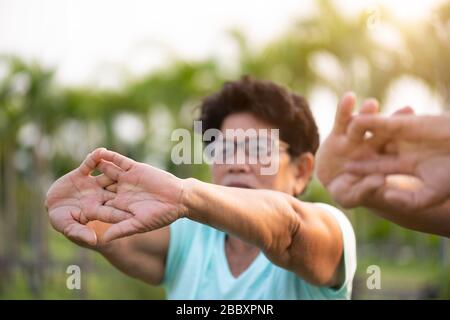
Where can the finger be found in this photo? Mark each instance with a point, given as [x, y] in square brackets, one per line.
[108, 214]
[344, 112]
[370, 107]
[119, 160]
[80, 233]
[104, 181]
[363, 123]
[351, 190]
[390, 147]
[338, 188]
[411, 200]
[379, 126]
[90, 162]
[112, 188]
[108, 195]
[357, 129]
[405, 111]
[122, 229]
[99, 228]
[385, 164]
[109, 203]
[110, 169]
[365, 188]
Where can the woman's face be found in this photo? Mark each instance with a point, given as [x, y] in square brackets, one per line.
[289, 176]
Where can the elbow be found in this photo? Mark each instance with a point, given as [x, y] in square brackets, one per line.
[281, 233]
[291, 243]
[316, 266]
[281, 242]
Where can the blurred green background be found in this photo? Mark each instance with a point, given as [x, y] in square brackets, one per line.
[46, 129]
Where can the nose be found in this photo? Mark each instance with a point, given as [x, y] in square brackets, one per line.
[238, 168]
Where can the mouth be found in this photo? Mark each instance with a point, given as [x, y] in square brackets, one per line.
[239, 185]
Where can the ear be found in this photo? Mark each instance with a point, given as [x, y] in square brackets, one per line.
[303, 171]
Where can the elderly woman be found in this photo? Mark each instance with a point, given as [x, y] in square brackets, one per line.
[243, 236]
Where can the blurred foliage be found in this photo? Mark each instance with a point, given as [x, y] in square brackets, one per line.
[47, 129]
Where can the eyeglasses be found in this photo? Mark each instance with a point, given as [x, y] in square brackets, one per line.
[257, 149]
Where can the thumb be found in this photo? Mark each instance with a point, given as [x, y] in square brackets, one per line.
[370, 106]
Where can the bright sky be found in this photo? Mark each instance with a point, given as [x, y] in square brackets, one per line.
[93, 41]
[81, 36]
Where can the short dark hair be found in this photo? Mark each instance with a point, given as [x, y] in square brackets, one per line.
[287, 111]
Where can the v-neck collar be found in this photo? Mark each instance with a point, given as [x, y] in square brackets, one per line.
[254, 265]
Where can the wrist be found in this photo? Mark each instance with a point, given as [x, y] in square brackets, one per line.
[185, 205]
[193, 199]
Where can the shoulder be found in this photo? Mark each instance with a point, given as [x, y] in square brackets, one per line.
[349, 243]
[338, 215]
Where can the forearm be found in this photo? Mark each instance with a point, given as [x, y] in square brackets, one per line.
[131, 262]
[294, 235]
[121, 253]
[261, 217]
[141, 255]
